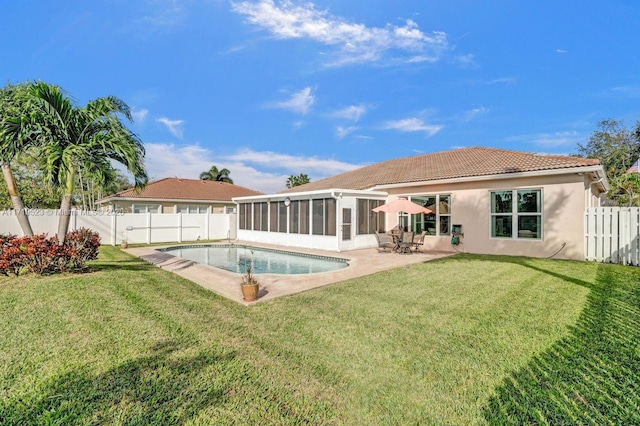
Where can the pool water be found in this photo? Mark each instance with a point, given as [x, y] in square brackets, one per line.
[236, 258]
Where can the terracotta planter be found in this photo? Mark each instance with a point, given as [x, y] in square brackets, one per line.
[124, 245]
[250, 292]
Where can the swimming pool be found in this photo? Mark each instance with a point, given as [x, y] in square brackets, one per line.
[236, 258]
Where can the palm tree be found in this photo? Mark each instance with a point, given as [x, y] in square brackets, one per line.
[293, 180]
[218, 175]
[14, 141]
[71, 138]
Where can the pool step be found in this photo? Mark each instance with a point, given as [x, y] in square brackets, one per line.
[167, 261]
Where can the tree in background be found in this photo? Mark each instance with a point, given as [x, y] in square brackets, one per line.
[70, 138]
[213, 173]
[13, 141]
[301, 179]
[29, 172]
[91, 187]
[625, 189]
[29, 177]
[618, 148]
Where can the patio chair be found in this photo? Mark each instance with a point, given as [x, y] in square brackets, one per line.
[384, 242]
[406, 242]
[419, 241]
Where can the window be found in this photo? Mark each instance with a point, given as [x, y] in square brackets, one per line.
[369, 221]
[324, 216]
[244, 215]
[260, 217]
[278, 217]
[444, 214]
[146, 208]
[299, 217]
[438, 222]
[192, 209]
[516, 214]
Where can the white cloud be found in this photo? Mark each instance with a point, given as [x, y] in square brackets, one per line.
[561, 51]
[139, 115]
[412, 124]
[188, 161]
[174, 126]
[501, 80]
[309, 165]
[264, 171]
[300, 102]
[474, 113]
[353, 112]
[341, 131]
[468, 59]
[550, 140]
[632, 91]
[164, 14]
[352, 42]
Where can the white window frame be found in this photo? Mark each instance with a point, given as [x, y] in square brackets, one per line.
[145, 207]
[196, 209]
[515, 214]
[437, 212]
[439, 215]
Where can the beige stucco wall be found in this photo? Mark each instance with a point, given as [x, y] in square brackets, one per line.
[564, 202]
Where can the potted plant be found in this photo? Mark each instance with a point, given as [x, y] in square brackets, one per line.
[249, 284]
[123, 242]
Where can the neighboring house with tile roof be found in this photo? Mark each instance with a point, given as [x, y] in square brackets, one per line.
[502, 201]
[177, 195]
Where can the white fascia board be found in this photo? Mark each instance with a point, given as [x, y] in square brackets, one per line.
[588, 169]
[605, 182]
[159, 200]
[310, 194]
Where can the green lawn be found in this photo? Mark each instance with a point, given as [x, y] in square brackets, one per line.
[468, 339]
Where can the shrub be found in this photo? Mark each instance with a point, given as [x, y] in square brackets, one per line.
[10, 255]
[41, 255]
[81, 246]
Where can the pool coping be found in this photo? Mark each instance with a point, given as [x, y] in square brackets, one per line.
[251, 247]
[361, 262]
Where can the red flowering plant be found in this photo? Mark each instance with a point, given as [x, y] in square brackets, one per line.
[41, 255]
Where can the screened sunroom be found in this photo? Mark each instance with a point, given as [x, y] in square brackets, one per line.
[334, 219]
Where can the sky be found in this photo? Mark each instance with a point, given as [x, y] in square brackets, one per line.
[270, 88]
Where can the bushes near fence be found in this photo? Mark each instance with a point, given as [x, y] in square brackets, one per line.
[43, 256]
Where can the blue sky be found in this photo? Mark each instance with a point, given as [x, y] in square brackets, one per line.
[273, 88]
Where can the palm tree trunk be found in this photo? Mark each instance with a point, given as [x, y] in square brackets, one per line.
[16, 200]
[84, 205]
[65, 208]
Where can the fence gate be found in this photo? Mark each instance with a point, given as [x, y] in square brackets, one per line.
[612, 235]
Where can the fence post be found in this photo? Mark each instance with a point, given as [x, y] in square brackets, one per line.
[635, 231]
[148, 227]
[207, 218]
[114, 214]
[179, 227]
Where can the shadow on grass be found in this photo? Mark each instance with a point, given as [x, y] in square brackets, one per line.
[162, 388]
[593, 375]
[132, 264]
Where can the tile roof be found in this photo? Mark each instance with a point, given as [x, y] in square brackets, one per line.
[187, 189]
[457, 163]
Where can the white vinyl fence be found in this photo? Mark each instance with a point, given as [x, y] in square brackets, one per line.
[612, 234]
[136, 228]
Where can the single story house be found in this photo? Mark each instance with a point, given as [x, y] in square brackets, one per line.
[497, 201]
[177, 195]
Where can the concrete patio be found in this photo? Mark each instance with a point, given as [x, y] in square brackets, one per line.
[227, 284]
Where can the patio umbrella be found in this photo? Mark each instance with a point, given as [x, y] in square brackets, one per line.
[402, 205]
